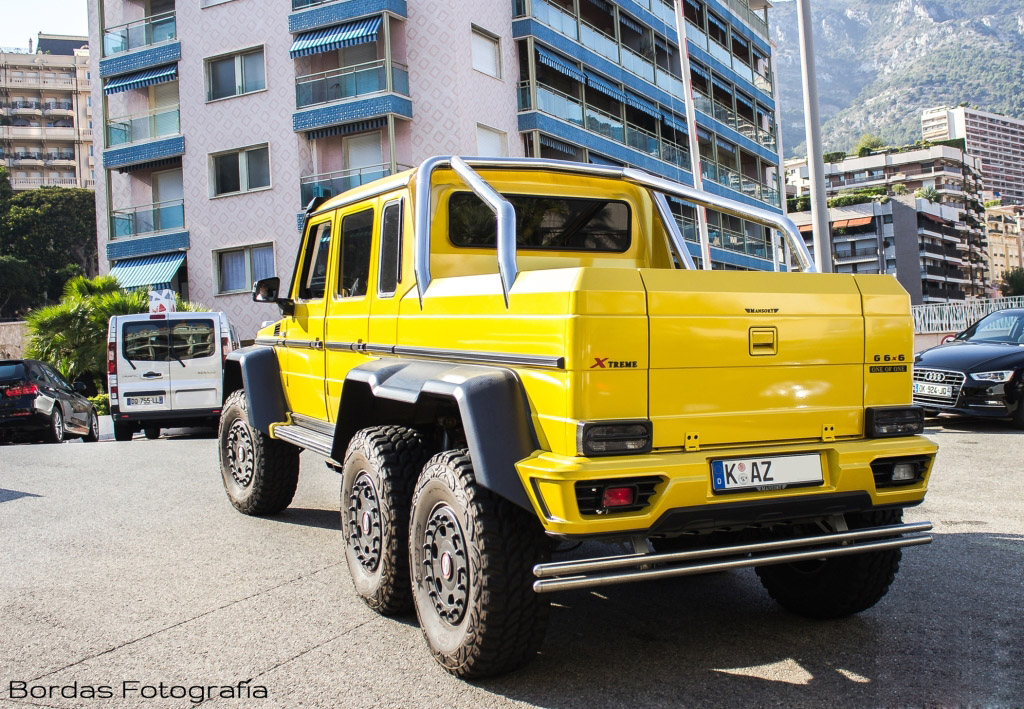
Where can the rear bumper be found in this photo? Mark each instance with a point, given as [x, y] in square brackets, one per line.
[683, 500]
[164, 418]
[18, 422]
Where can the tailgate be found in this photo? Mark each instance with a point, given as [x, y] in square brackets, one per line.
[749, 357]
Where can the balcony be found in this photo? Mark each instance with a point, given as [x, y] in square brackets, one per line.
[60, 159]
[856, 255]
[26, 108]
[314, 14]
[147, 219]
[27, 159]
[63, 109]
[143, 152]
[141, 33]
[724, 114]
[157, 123]
[728, 177]
[31, 183]
[329, 184]
[350, 82]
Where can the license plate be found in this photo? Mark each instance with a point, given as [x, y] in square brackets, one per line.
[933, 389]
[144, 400]
[765, 473]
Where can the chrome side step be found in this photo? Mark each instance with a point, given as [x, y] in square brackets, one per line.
[608, 570]
[307, 438]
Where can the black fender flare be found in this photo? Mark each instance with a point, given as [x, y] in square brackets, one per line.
[491, 402]
[257, 370]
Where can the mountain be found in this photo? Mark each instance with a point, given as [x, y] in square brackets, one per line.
[880, 63]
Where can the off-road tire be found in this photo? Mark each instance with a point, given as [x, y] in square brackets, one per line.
[378, 476]
[152, 432]
[123, 431]
[55, 433]
[500, 623]
[94, 428]
[840, 586]
[260, 473]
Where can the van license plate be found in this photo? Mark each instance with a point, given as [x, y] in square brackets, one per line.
[144, 400]
[768, 473]
[933, 389]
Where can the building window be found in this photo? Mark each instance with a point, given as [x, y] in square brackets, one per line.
[235, 75]
[238, 269]
[490, 142]
[486, 54]
[241, 170]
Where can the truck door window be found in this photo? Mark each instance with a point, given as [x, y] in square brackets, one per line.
[314, 275]
[390, 249]
[145, 341]
[356, 236]
[192, 339]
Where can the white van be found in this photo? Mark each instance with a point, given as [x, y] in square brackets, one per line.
[166, 370]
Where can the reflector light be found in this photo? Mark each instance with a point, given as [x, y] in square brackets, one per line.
[618, 496]
[22, 390]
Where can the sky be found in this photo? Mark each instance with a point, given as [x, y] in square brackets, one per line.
[27, 18]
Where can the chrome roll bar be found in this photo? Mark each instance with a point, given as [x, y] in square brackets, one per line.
[506, 218]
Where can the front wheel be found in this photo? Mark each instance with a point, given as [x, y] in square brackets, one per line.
[471, 554]
[260, 473]
[839, 586]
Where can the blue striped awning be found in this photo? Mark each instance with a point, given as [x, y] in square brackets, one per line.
[148, 270]
[721, 84]
[347, 128]
[740, 98]
[631, 23]
[558, 64]
[605, 87]
[140, 79]
[336, 37]
[643, 105]
[596, 159]
[673, 121]
[699, 70]
[717, 23]
[737, 38]
[558, 145]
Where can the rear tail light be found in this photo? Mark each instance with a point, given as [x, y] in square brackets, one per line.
[601, 497]
[613, 437]
[111, 358]
[22, 390]
[225, 347]
[886, 422]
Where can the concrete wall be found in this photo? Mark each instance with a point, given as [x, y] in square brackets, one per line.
[13, 338]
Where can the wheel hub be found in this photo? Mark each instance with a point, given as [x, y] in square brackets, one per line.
[446, 567]
[241, 458]
[364, 533]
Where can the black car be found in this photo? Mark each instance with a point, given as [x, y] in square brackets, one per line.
[979, 373]
[37, 402]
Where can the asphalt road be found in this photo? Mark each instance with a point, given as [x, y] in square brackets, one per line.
[124, 562]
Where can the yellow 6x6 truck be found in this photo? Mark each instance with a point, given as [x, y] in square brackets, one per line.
[501, 355]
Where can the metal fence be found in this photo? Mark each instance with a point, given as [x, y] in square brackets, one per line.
[957, 316]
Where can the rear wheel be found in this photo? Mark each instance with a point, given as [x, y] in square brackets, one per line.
[471, 555]
[94, 428]
[840, 586]
[123, 431]
[260, 473]
[152, 432]
[55, 433]
[378, 476]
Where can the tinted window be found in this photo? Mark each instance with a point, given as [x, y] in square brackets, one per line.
[356, 235]
[997, 327]
[56, 378]
[145, 341]
[314, 278]
[552, 223]
[12, 371]
[390, 249]
[191, 339]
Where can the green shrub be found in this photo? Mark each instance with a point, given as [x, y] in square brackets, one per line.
[102, 403]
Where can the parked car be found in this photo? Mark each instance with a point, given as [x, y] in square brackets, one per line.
[980, 372]
[37, 402]
[166, 369]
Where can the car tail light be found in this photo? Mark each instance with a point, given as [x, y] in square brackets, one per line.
[225, 347]
[595, 438]
[22, 390]
[111, 358]
[618, 496]
[885, 422]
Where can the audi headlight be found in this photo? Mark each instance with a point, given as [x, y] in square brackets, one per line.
[1002, 375]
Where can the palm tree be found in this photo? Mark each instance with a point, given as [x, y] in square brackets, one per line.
[929, 193]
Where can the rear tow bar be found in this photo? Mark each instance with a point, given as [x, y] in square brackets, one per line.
[628, 568]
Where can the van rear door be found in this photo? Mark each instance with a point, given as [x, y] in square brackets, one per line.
[143, 366]
[196, 362]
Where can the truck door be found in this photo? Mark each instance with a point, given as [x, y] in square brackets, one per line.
[143, 367]
[303, 363]
[195, 366]
[349, 309]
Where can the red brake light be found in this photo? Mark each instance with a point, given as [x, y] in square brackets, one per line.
[225, 347]
[111, 358]
[22, 390]
[157, 316]
[618, 496]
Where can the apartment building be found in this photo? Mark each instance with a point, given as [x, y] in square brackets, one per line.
[46, 113]
[221, 119]
[1005, 228]
[998, 140]
[936, 249]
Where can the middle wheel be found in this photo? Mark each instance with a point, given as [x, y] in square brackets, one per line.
[378, 475]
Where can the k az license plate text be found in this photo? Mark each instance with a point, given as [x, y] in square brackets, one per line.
[770, 472]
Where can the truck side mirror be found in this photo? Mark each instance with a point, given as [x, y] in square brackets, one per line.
[265, 290]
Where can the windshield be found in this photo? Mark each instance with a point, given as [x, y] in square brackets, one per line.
[1007, 327]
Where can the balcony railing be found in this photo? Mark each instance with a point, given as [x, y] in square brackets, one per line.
[854, 254]
[350, 82]
[60, 157]
[728, 177]
[26, 105]
[146, 126]
[328, 184]
[141, 33]
[604, 44]
[58, 106]
[27, 156]
[147, 219]
[303, 4]
[556, 18]
[738, 123]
